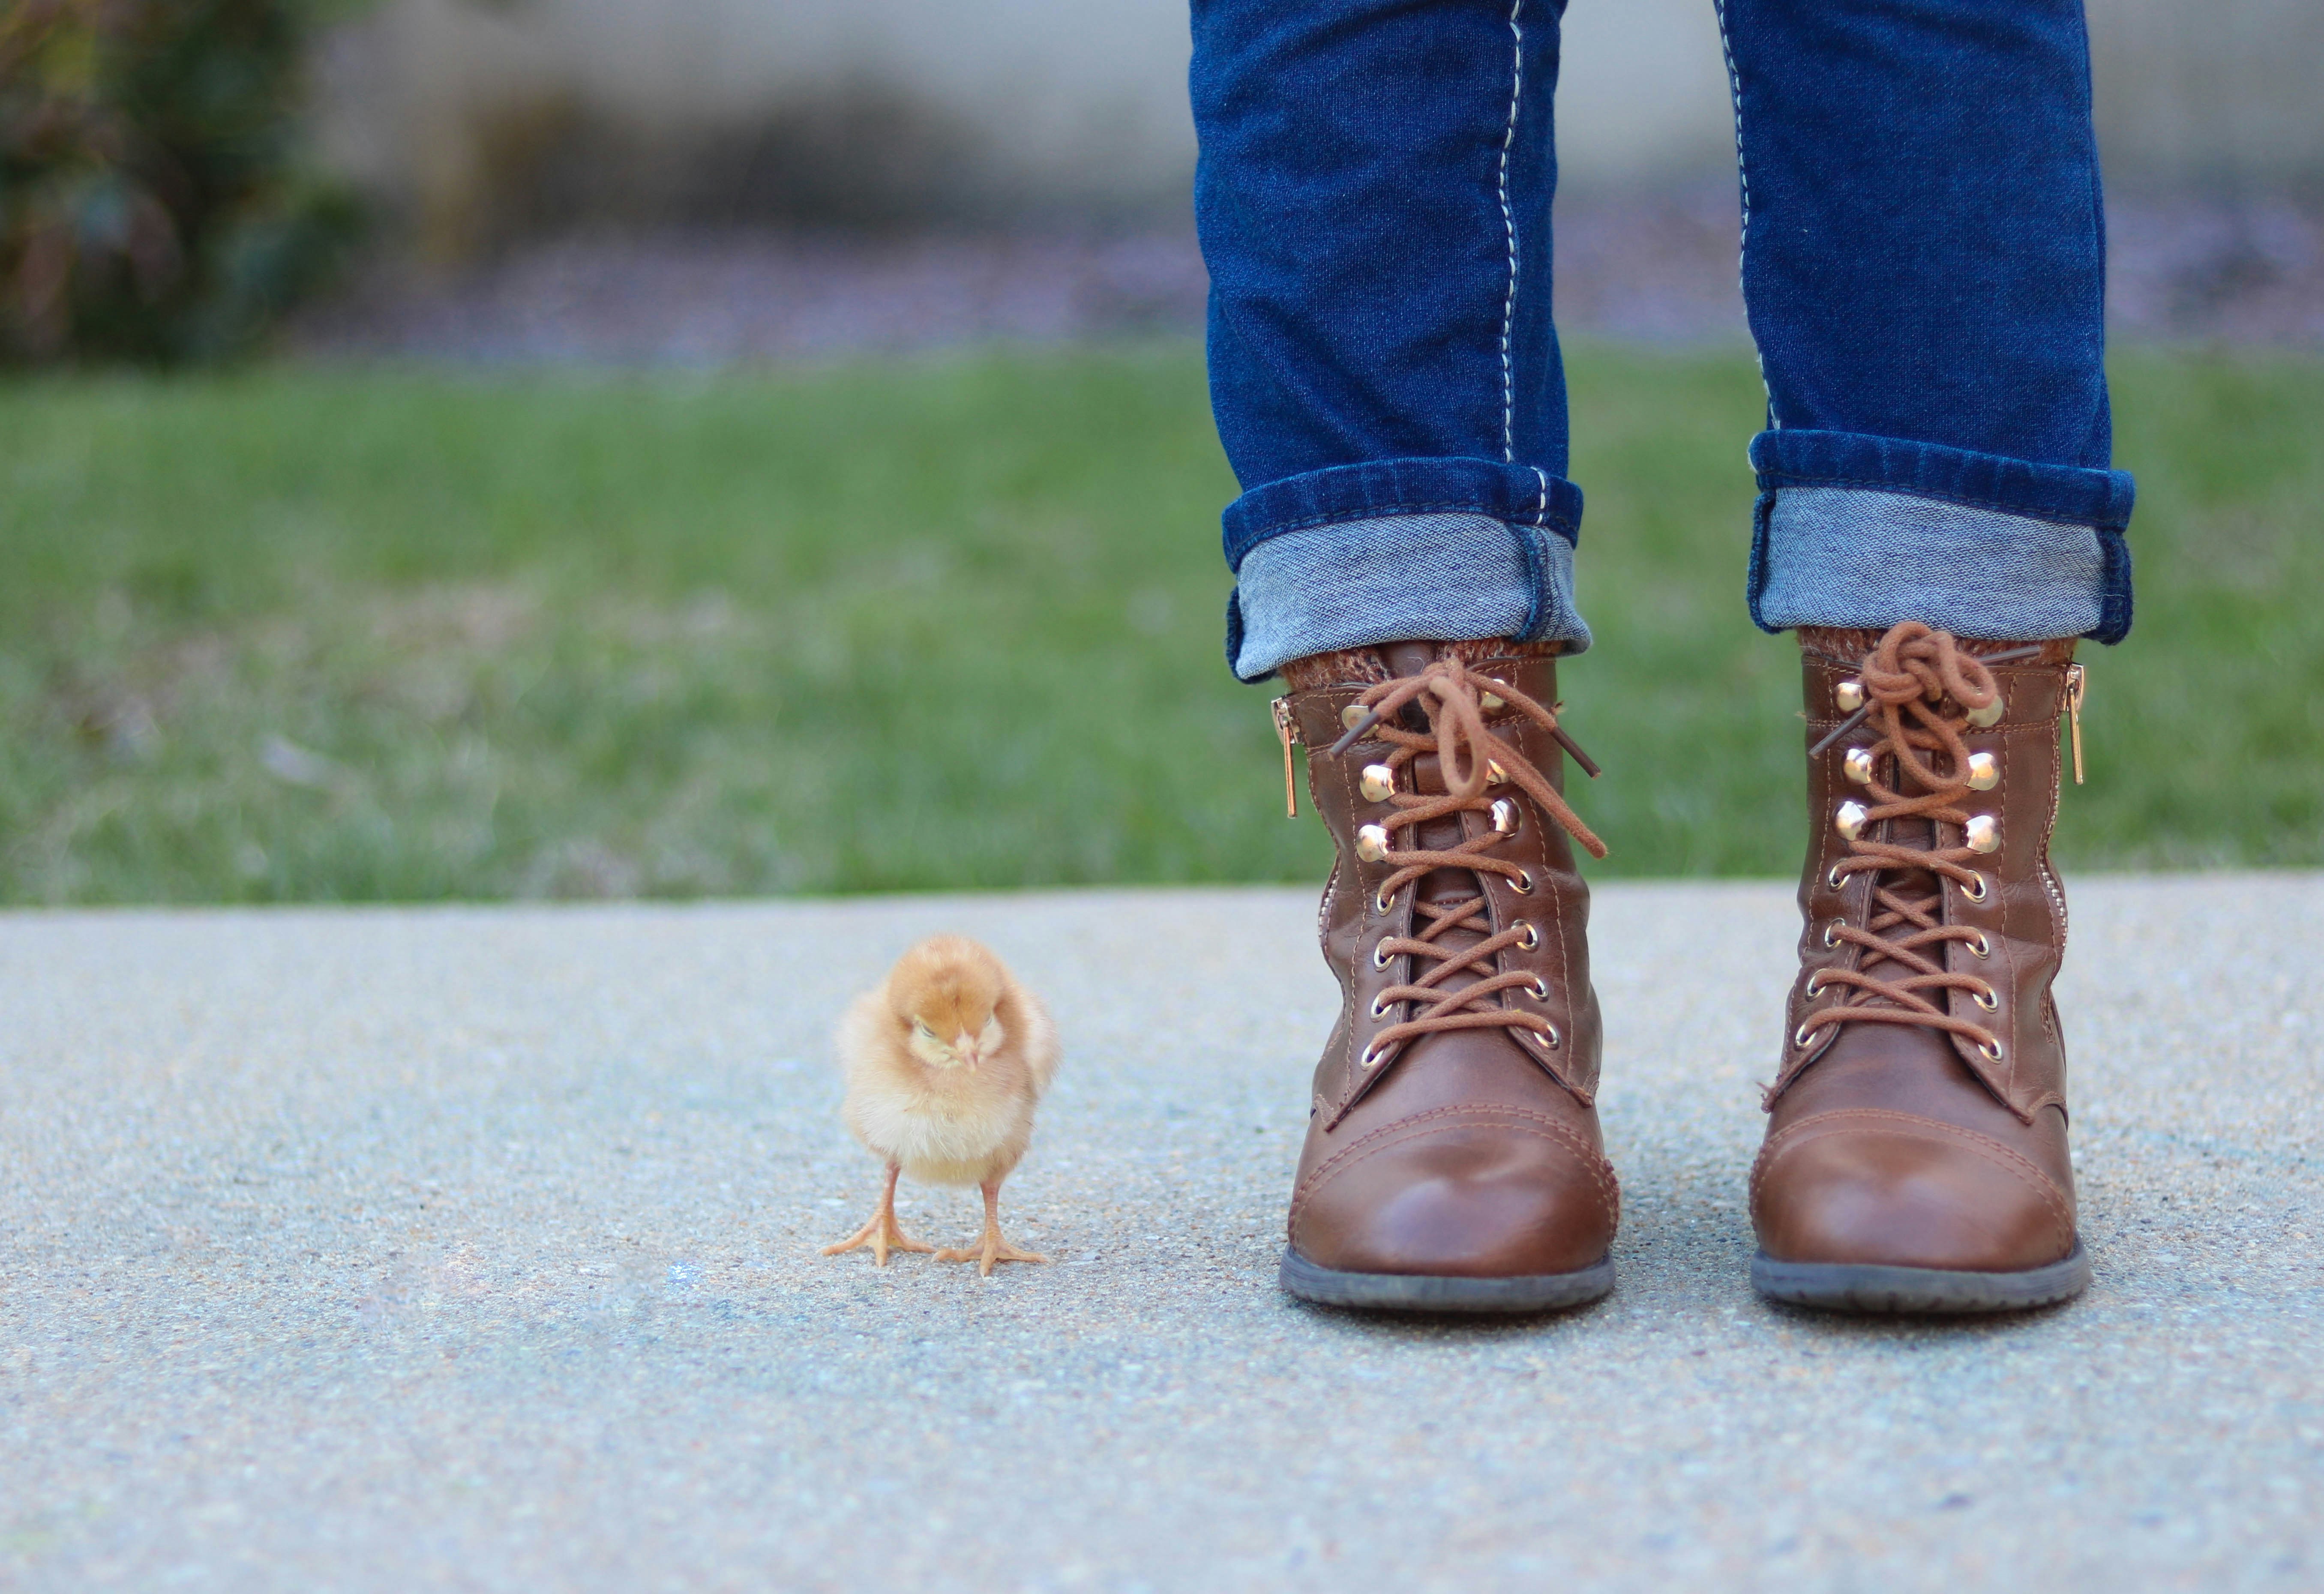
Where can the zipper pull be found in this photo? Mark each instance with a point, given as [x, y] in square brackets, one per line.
[2077, 683]
[1288, 732]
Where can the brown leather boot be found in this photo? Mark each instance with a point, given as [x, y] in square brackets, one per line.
[1915, 1158]
[1453, 1161]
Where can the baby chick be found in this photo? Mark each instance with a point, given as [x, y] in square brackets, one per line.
[945, 1060]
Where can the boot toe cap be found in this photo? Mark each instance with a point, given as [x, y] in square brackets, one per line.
[1476, 1193]
[1891, 1189]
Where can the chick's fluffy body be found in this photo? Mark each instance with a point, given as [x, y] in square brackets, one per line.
[911, 1099]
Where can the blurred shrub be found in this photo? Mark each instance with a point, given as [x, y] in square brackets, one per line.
[153, 205]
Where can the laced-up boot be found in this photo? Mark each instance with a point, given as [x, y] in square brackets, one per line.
[1915, 1158]
[1453, 1161]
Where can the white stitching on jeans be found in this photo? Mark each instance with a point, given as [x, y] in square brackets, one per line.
[1541, 504]
[1743, 179]
[1509, 223]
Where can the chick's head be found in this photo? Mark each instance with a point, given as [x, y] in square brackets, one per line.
[946, 995]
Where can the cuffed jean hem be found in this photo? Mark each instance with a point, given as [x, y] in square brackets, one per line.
[1380, 489]
[1392, 578]
[1855, 530]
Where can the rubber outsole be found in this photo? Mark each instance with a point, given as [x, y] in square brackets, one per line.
[1852, 1286]
[1435, 1292]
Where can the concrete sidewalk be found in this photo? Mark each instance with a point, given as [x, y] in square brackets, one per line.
[474, 1248]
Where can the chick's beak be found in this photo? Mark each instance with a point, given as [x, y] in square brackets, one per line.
[964, 1048]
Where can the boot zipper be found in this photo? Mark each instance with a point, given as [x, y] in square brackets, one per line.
[2076, 683]
[1288, 732]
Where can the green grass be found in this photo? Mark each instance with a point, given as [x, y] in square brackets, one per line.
[295, 635]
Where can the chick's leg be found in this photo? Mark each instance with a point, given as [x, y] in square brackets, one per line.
[992, 1248]
[880, 1233]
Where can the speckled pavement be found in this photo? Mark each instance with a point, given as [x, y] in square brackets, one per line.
[476, 1249]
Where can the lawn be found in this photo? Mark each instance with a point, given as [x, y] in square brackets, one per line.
[302, 634]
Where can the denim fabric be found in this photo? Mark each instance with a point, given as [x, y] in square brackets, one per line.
[1922, 261]
[1848, 522]
[1846, 556]
[1448, 577]
[1923, 257]
[1373, 199]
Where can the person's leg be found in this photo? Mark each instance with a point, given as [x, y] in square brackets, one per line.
[1373, 198]
[1923, 266]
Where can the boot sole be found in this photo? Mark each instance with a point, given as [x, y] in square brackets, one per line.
[1436, 1292]
[1856, 1286]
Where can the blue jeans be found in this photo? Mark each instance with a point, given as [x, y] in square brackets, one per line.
[1923, 266]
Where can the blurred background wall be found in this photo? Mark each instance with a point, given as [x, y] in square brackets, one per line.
[481, 117]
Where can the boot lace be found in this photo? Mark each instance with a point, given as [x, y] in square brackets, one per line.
[1471, 758]
[1920, 688]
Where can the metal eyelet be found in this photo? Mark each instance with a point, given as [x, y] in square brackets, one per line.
[1379, 1008]
[1371, 1058]
[1831, 877]
[1523, 884]
[1529, 940]
[1975, 893]
[1989, 1000]
[1815, 985]
[1831, 934]
[1380, 901]
[1981, 947]
[1547, 1039]
[1536, 990]
[1991, 1054]
[1380, 956]
[1800, 1036]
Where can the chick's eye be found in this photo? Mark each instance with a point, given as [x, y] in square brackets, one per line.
[922, 1030]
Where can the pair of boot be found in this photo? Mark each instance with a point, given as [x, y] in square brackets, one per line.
[1915, 1158]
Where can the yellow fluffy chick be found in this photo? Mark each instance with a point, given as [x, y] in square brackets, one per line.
[945, 1060]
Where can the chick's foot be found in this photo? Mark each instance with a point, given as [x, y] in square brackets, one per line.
[882, 1233]
[991, 1247]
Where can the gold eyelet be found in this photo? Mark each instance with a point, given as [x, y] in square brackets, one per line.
[1371, 1057]
[1380, 957]
[1523, 884]
[1379, 1009]
[1987, 1000]
[1530, 938]
[1991, 1053]
[1380, 901]
[1800, 1036]
[1815, 985]
[1546, 1039]
[1536, 990]
[1976, 893]
[1981, 947]
[1831, 877]
[1831, 934]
